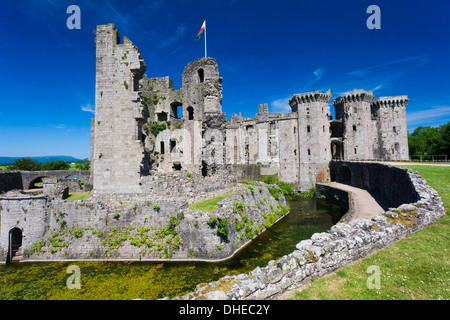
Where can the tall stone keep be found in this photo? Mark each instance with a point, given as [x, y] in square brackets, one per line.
[389, 115]
[118, 152]
[354, 110]
[313, 136]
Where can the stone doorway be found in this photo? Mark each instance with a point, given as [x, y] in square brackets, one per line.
[15, 245]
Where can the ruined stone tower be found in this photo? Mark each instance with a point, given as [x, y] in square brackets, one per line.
[117, 153]
[201, 89]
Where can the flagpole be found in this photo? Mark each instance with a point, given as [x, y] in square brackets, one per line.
[205, 40]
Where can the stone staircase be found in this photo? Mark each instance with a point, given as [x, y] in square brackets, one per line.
[17, 255]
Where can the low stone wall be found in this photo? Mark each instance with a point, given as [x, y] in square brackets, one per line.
[187, 184]
[392, 184]
[327, 251]
[257, 172]
[338, 197]
[125, 227]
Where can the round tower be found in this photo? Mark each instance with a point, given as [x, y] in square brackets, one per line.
[201, 89]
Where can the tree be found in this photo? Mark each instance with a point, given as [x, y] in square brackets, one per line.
[25, 164]
[84, 164]
[55, 165]
[430, 141]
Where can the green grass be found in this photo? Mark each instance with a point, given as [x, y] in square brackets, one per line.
[78, 195]
[208, 205]
[416, 267]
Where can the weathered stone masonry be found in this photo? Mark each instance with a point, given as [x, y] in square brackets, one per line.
[135, 228]
[145, 127]
[342, 244]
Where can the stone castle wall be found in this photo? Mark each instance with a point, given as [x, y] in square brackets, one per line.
[138, 227]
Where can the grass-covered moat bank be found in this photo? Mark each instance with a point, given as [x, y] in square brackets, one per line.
[147, 280]
[416, 267]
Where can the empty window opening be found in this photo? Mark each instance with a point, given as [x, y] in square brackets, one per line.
[354, 128]
[201, 75]
[177, 110]
[272, 128]
[173, 144]
[295, 152]
[356, 151]
[176, 166]
[190, 111]
[250, 127]
[162, 148]
[204, 169]
[323, 129]
[162, 116]
[394, 129]
[396, 147]
[295, 129]
[308, 129]
[135, 83]
[309, 152]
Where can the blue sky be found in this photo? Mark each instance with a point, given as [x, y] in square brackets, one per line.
[266, 50]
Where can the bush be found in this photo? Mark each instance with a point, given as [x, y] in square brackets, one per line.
[84, 164]
[156, 128]
[212, 222]
[286, 188]
[26, 164]
[270, 179]
[78, 233]
[55, 165]
[222, 228]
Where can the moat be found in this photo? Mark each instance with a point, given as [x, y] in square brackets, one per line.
[154, 280]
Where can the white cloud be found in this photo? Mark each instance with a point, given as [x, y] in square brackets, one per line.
[88, 108]
[318, 73]
[180, 31]
[281, 105]
[429, 117]
[410, 64]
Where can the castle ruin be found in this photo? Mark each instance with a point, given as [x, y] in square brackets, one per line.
[144, 129]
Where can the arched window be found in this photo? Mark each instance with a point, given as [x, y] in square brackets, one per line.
[201, 75]
[190, 111]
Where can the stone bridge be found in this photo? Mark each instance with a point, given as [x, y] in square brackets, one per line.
[29, 178]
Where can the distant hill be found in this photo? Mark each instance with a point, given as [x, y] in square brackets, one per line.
[4, 160]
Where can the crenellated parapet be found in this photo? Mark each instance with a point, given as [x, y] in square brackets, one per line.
[354, 96]
[395, 101]
[310, 97]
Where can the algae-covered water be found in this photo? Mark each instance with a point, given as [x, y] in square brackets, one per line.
[153, 280]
